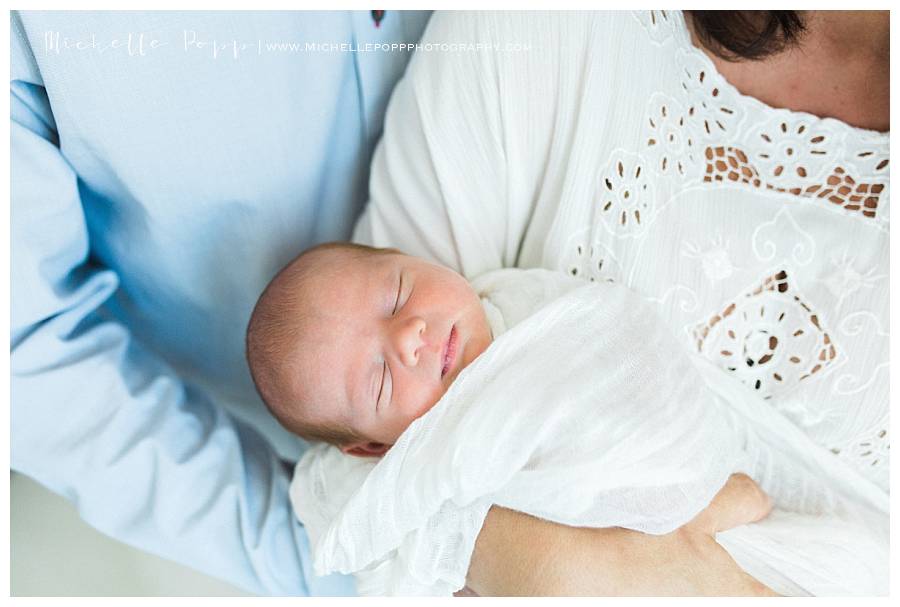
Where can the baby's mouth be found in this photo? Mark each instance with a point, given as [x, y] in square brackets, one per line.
[450, 351]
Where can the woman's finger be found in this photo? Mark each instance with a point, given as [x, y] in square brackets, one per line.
[739, 502]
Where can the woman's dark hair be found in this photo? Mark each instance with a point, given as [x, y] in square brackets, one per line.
[740, 35]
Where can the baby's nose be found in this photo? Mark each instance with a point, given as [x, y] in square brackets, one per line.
[409, 340]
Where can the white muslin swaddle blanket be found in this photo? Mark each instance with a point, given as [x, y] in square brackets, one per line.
[586, 411]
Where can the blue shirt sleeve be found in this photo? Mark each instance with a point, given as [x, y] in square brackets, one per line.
[99, 419]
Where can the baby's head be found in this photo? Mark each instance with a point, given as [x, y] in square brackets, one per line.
[349, 344]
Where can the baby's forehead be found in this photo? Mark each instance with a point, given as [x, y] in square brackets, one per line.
[337, 263]
[336, 293]
[327, 363]
[315, 276]
[332, 310]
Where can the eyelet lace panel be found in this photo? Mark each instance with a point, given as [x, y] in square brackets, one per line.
[590, 260]
[714, 115]
[668, 140]
[788, 158]
[713, 134]
[792, 155]
[625, 200]
[700, 138]
[769, 337]
[871, 452]
[732, 165]
[657, 23]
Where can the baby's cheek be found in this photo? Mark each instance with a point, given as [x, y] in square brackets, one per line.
[429, 399]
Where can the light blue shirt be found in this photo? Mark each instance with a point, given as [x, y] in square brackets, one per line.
[164, 166]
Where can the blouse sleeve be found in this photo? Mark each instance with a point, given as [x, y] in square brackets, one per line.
[450, 179]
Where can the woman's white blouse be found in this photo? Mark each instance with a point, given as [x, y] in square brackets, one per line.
[606, 146]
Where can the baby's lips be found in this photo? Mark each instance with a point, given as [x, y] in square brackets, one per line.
[443, 358]
[450, 351]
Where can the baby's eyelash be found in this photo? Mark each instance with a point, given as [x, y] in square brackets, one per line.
[381, 386]
[384, 365]
[399, 290]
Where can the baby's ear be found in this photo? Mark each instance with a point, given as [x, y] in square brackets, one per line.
[365, 449]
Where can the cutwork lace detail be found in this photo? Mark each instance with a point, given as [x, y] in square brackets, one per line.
[873, 452]
[786, 152]
[794, 155]
[700, 134]
[669, 142]
[713, 135]
[731, 165]
[713, 115]
[769, 337]
[591, 261]
[657, 23]
[625, 201]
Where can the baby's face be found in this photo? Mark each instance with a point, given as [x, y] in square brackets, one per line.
[389, 335]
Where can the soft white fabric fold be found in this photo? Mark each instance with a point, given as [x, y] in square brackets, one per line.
[586, 412]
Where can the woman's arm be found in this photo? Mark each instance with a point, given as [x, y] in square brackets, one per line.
[517, 554]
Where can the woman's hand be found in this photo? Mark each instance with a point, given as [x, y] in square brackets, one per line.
[517, 554]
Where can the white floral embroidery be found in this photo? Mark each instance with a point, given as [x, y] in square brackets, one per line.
[683, 296]
[715, 260]
[748, 144]
[716, 117]
[769, 337]
[854, 325]
[590, 260]
[873, 155]
[726, 142]
[793, 153]
[871, 449]
[625, 199]
[783, 228]
[669, 141]
[846, 280]
[658, 24]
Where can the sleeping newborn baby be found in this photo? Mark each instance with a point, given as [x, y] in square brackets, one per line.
[349, 344]
[535, 391]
